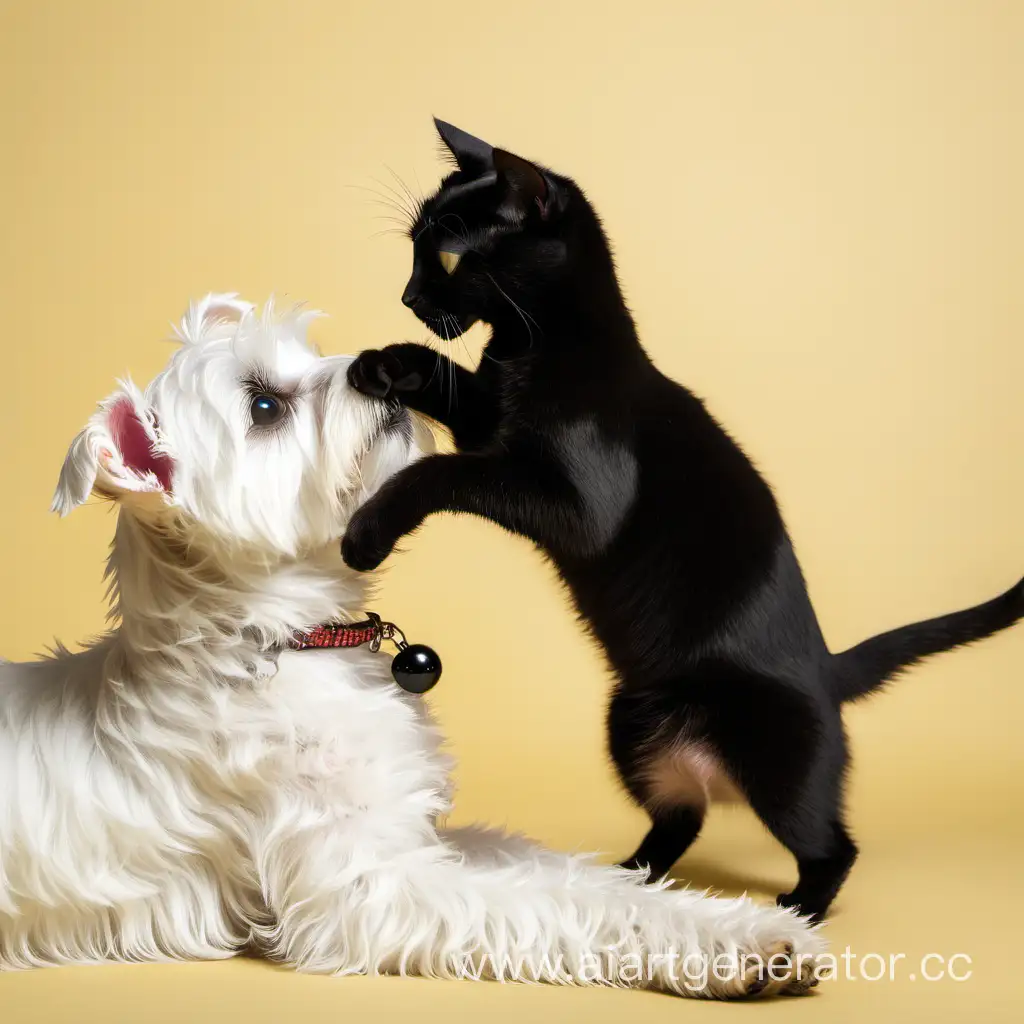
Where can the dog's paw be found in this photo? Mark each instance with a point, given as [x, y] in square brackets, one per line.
[760, 971]
[780, 970]
[363, 548]
[778, 955]
[380, 373]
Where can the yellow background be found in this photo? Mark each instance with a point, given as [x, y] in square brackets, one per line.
[817, 209]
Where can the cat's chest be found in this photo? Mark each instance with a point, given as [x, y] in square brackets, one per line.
[510, 384]
[530, 404]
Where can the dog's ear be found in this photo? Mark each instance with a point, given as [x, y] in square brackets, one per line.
[217, 310]
[77, 475]
[118, 453]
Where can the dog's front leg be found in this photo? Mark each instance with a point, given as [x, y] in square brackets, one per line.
[532, 497]
[487, 906]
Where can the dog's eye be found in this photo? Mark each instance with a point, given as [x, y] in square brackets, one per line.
[265, 410]
[449, 260]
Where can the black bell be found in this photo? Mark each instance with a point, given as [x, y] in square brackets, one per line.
[416, 668]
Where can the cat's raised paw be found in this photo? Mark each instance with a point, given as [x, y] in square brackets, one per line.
[379, 373]
[363, 548]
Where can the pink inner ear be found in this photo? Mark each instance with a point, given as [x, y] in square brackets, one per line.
[133, 442]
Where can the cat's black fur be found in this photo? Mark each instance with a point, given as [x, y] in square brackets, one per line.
[667, 536]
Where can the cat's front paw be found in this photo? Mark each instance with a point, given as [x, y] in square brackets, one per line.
[364, 547]
[380, 373]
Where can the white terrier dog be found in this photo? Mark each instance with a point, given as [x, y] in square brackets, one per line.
[190, 786]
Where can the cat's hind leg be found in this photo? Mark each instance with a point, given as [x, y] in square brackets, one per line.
[768, 737]
[786, 751]
[808, 821]
[672, 832]
[659, 779]
[822, 873]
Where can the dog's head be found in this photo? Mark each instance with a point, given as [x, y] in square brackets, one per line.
[248, 436]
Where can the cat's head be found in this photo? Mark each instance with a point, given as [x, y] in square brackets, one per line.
[492, 241]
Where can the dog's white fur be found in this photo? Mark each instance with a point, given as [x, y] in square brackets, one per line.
[182, 789]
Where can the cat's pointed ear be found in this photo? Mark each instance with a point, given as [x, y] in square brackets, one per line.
[473, 155]
[524, 185]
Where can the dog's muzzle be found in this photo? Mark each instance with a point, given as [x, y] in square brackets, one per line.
[398, 421]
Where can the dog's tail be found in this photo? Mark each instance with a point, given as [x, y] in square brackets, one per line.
[870, 665]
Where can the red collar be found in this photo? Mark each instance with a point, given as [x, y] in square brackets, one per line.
[346, 634]
[415, 668]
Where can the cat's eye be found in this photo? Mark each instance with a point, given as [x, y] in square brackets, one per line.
[266, 410]
[449, 260]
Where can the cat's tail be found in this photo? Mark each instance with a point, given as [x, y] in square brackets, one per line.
[870, 665]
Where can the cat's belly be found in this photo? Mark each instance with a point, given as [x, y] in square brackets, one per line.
[689, 774]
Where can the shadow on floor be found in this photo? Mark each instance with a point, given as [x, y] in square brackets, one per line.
[704, 874]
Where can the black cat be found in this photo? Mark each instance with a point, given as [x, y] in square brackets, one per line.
[670, 541]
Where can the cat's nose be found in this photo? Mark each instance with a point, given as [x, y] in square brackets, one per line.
[412, 298]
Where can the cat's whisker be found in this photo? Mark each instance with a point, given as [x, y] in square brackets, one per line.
[397, 200]
[396, 225]
[437, 365]
[448, 365]
[415, 203]
[429, 342]
[389, 204]
[448, 323]
[400, 182]
[390, 201]
[462, 236]
[465, 348]
[387, 186]
[524, 316]
[395, 215]
[455, 372]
